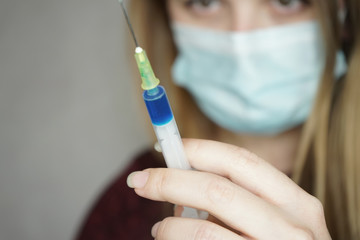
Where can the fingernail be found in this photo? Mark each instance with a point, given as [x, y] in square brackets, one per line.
[137, 179]
[154, 229]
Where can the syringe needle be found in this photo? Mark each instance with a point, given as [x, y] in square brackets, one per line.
[128, 21]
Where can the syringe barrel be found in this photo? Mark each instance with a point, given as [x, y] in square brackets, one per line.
[165, 128]
[171, 145]
[168, 136]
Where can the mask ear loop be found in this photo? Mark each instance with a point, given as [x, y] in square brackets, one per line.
[342, 15]
[344, 22]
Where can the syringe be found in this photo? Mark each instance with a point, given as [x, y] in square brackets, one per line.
[162, 118]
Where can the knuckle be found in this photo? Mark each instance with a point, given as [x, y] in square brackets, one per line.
[241, 158]
[219, 190]
[206, 231]
[316, 213]
[163, 181]
[317, 207]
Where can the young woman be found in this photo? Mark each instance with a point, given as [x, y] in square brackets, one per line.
[274, 83]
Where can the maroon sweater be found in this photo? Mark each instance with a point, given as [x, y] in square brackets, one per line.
[119, 213]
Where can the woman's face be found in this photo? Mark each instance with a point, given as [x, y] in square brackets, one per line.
[239, 15]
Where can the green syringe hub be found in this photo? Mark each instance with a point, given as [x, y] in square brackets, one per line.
[149, 81]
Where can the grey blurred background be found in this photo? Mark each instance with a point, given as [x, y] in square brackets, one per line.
[69, 115]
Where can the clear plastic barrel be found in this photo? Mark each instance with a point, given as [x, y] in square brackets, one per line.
[171, 145]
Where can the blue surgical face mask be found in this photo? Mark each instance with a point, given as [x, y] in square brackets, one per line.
[261, 82]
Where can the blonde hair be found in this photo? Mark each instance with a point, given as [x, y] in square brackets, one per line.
[328, 161]
[329, 155]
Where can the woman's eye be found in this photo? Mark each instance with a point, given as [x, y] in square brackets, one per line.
[288, 6]
[203, 6]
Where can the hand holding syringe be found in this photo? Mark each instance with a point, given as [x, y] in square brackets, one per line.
[162, 118]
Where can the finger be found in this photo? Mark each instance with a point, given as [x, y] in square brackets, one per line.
[231, 204]
[178, 213]
[248, 171]
[186, 228]
[178, 210]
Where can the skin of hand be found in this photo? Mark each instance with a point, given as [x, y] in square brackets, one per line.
[246, 196]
